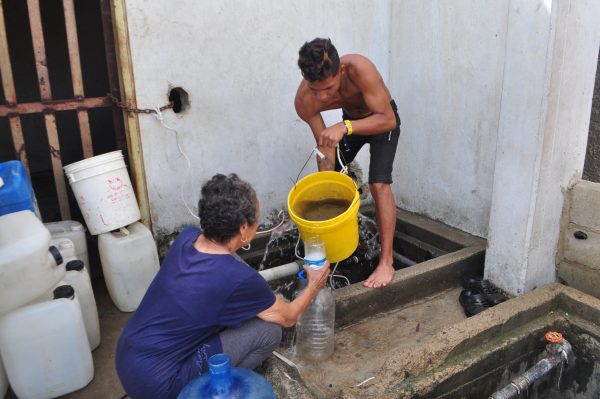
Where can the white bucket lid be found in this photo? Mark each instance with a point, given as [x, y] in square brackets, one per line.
[93, 161]
[109, 161]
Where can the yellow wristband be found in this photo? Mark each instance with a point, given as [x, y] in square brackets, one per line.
[348, 127]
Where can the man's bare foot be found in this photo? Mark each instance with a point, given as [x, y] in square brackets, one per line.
[381, 277]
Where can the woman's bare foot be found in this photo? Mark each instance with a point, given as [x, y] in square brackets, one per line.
[381, 277]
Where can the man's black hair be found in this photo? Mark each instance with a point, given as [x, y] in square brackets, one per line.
[318, 60]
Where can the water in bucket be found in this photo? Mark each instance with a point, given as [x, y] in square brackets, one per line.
[325, 209]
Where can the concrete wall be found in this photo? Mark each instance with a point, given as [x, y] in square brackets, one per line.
[591, 169]
[579, 259]
[447, 65]
[237, 61]
[542, 135]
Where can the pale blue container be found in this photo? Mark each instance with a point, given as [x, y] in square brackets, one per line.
[223, 381]
[16, 193]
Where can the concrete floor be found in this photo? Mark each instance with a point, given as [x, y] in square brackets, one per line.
[361, 349]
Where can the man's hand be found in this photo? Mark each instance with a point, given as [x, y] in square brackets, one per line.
[331, 136]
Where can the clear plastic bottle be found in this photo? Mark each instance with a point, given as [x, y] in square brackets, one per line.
[314, 252]
[226, 382]
[315, 329]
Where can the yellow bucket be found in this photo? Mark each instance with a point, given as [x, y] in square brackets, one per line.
[340, 234]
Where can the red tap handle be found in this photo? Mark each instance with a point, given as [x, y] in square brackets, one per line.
[554, 337]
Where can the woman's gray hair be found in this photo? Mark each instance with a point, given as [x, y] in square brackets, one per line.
[226, 203]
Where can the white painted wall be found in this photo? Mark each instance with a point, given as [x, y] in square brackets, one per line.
[446, 72]
[544, 120]
[237, 60]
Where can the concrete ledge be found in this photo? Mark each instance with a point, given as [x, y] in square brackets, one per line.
[355, 302]
[585, 204]
[455, 352]
[586, 251]
[581, 277]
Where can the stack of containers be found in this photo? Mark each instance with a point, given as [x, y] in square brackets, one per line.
[77, 276]
[40, 340]
[127, 249]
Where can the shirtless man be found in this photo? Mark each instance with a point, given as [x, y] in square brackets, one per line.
[353, 84]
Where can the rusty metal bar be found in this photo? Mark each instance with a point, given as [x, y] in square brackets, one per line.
[39, 51]
[18, 141]
[113, 73]
[56, 105]
[132, 124]
[8, 85]
[76, 76]
[59, 177]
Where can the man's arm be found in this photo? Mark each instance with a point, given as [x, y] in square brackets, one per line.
[317, 126]
[286, 314]
[365, 76]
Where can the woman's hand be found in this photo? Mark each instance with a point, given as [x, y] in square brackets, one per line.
[317, 278]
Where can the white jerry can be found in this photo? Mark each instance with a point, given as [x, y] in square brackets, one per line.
[74, 231]
[45, 349]
[78, 277]
[28, 262]
[129, 261]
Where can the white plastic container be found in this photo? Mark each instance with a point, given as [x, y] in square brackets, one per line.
[129, 261]
[104, 192]
[315, 329]
[66, 248]
[314, 253]
[3, 381]
[74, 231]
[45, 349]
[28, 267]
[78, 277]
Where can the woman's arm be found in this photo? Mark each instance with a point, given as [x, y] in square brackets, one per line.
[286, 314]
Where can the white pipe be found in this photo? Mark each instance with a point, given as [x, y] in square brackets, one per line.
[278, 272]
[403, 259]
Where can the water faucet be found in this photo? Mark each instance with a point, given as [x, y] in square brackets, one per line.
[557, 352]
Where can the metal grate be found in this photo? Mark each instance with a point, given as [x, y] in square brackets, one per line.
[47, 105]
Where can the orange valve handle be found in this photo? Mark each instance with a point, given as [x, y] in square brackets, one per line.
[554, 337]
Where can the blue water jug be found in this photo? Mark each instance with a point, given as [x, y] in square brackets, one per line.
[223, 381]
[16, 193]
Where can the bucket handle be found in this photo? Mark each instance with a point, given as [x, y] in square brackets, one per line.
[122, 232]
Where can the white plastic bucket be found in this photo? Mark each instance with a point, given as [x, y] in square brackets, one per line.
[103, 192]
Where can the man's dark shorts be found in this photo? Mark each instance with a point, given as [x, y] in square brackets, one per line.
[382, 148]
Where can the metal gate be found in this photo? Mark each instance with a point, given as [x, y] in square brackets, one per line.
[48, 106]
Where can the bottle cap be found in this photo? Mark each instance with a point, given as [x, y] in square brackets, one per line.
[64, 291]
[74, 265]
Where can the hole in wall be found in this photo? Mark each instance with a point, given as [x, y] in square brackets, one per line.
[180, 98]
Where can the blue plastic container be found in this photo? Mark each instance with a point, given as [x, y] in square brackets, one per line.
[16, 193]
[224, 381]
